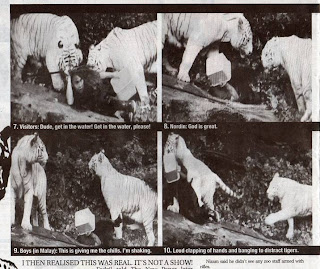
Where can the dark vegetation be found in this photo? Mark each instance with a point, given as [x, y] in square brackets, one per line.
[71, 186]
[248, 77]
[246, 160]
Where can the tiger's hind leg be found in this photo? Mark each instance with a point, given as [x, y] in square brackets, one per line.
[44, 213]
[13, 206]
[290, 232]
[18, 64]
[208, 199]
[196, 185]
[117, 220]
[148, 226]
[173, 71]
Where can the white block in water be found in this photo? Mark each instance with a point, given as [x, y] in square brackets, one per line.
[85, 221]
[218, 69]
[124, 85]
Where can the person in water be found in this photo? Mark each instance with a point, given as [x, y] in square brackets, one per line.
[93, 93]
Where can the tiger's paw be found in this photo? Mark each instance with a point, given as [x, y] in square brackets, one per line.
[173, 208]
[269, 220]
[289, 235]
[306, 117]
[183, 77]
[26, 226]
[118, 233]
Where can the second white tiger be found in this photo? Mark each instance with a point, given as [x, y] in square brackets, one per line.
[134, 49]
[125, 195]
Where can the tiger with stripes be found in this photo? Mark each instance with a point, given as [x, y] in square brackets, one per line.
[203, 181]
[48, 38]
[125, 195]
[294, 54]
[134, 49]
[196, 31]
[28, 179]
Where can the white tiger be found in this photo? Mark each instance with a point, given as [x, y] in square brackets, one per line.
[28, 179]
[202, 179]
[125, 195]
[195, 31]
[295, 200]
[295, 55]
[49, 38]
[134, 49]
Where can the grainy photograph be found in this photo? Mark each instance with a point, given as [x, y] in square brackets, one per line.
[238, 186]
[231, 67]
[83, 67]
[84, 189]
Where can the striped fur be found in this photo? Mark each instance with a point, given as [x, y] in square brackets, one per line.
[134, 49]
[45, 37]
[295, 55]
[28, 178]
[7, 264]
[295, 200]
[125, 195]
[202, 179]
[195, 31]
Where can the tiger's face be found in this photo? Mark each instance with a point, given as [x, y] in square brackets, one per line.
[270, 56]
[96, 162]
[274, 187]
[243, 38]
[97, 58]
[63, 53]
[38, 150]
[175, 143]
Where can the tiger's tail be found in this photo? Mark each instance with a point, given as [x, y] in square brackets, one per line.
[226, 189]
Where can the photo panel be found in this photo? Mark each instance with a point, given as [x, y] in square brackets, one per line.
[91, 189]
[253, 66]
[81, 63]
[238, 186]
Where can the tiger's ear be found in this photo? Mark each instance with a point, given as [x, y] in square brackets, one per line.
[100, 157]
[240, 24]
[276, 175]
[102, 151]
[34, 140]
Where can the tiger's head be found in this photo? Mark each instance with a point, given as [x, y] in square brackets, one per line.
[36, 150]
[275, 187]
[175, 143]
[63, 52]
[241, 38]
[98, 163]
[270, 55]
[98, 58]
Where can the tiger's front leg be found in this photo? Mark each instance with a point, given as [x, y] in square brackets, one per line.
[140, 82]
[308, 100]
[28, 199]
[278, 216]
[56, 78]
[290, 232]
[189, 55]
